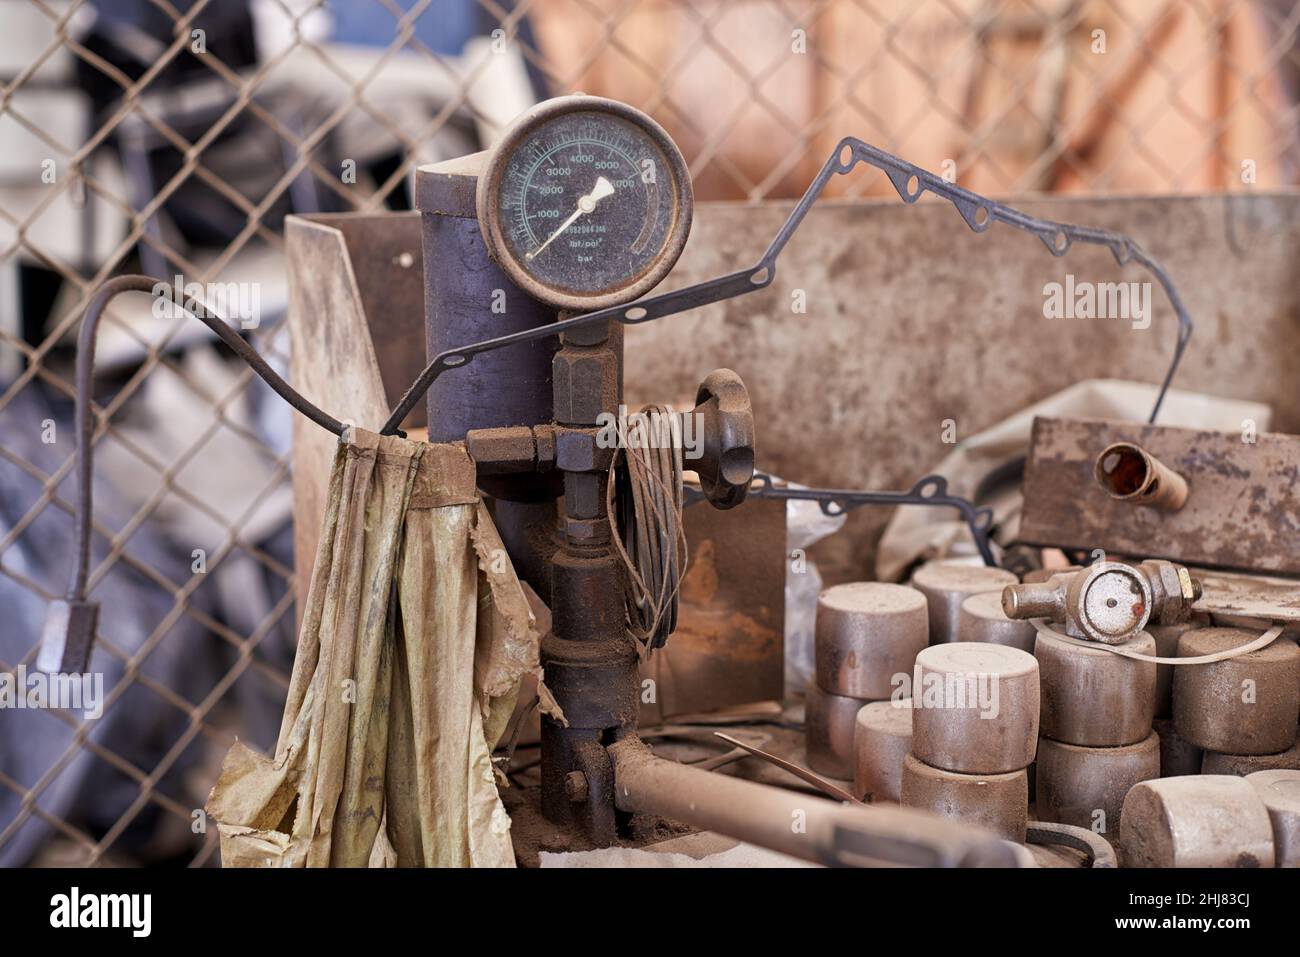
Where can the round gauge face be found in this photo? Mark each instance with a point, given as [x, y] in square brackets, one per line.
[586, 203]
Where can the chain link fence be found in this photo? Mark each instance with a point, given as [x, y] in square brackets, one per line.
[174, 137]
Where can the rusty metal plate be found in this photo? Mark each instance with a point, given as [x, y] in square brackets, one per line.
[355, 307]
[729, 646]
[1242, 510]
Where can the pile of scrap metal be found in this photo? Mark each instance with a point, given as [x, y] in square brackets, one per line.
[1143, 689]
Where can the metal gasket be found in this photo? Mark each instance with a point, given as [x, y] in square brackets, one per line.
[911, 182]
[1099, 851]
[929, 490]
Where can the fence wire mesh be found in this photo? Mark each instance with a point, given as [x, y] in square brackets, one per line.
[174, 137]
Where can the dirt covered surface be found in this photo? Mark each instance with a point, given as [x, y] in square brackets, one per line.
[532, 833]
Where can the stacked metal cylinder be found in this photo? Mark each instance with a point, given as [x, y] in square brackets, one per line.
[975, 712]
[974, 703]
[1229, 795]
[1177, 754]
[1097, 739]
[1240, 712]
[948, 586]
[867, 635]
[929, 696]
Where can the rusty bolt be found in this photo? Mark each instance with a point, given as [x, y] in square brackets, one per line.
[575, 786]
[579, 450]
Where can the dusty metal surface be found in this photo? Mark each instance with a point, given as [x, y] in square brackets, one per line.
[865, 634]
[1093, 698]
[1242, 509]
[1212, 709]
[901, 302]
[383, 259]
[1251, 596]
[997, 802]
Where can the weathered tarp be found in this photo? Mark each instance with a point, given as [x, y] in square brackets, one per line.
[413, 644]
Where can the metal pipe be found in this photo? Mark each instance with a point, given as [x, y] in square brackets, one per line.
[1129, 473]
[801, 825]
[1034, 600]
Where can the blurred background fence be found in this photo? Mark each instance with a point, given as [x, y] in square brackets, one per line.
[173, 137]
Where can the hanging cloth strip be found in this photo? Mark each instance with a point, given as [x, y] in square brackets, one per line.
[414, 640]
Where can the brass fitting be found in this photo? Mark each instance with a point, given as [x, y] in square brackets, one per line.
[1109, 602]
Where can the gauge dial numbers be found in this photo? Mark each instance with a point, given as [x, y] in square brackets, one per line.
[585, 203]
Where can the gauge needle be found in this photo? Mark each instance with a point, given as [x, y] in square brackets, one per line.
[586, 204]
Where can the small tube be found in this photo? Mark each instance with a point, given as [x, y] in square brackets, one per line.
[1129, 473]
[1034, 600]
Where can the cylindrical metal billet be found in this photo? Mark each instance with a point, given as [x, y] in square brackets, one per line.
[1242, 705]
[975, 708]
[1129, 473]
[1166, 637]
[1198, 821]
[946, 585]
[1178, 756]
[1086, 786]
[1093, 697]
[829, 721]
[866, 633]
[982, 619]
[1216, 762]
[998, 802]
[1280, 792]
[882, 738]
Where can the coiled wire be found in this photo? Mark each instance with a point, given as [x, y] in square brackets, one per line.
[643, 498]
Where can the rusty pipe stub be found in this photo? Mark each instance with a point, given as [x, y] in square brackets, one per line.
[1129, 473]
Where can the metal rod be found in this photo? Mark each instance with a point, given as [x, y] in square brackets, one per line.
[801, 825]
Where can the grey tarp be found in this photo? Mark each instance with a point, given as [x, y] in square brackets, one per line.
[413, 644]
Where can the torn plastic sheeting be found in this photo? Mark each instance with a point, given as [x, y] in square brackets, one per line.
[806, 524]
[414, 641]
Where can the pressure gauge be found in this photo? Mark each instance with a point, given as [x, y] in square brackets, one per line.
[585, 203]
